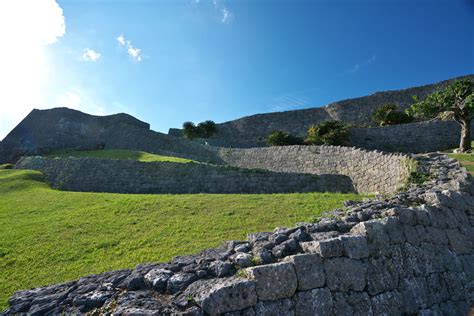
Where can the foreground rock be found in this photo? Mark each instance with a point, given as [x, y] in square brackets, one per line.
[407, 254]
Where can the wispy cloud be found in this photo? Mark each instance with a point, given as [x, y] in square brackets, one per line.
[355, 68]
[225, 15]
[90, 55]
[288, 102]
[134, 52]
[121, 40]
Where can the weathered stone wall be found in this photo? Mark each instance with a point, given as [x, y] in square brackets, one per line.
[408, 254]
[251, 131]
[420, 137]
[126, 176]
[370, 171]
[43, 131]
[416, 137]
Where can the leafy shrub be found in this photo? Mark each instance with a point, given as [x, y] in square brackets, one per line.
[206, 129]
[389, 114]
[328, 133]
[189, 130]
[279, 138]
[203, 130]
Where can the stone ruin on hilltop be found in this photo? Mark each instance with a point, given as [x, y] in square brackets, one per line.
[409, 250]
[408, 253]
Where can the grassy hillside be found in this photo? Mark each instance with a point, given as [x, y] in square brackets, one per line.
[466, 160]
[50, 236]
[118, 154]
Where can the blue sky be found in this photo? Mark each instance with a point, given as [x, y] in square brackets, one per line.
[167, 62]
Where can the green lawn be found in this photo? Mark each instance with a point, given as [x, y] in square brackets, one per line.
[117, 154]
[466, 160]
[49, 236]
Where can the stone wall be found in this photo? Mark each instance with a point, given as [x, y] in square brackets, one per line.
[126, 176]
[251, 131]
[411, 253]
[416, 137]
[420, 137]
[43, 131]
[281, 169]
[370, 171]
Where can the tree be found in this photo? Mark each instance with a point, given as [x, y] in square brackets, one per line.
[328, 133]
[389, 114]
[206, 129]
[189, 130]
[279, 138]
[457, 99]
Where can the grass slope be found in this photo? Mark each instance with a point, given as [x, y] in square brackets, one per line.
[49, 236]
[117, 154]
[466, 160]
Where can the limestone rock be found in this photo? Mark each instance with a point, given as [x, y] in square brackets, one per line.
[314, 302]
[274, 281]
[343, 274]
[309, 271]
[216, 296]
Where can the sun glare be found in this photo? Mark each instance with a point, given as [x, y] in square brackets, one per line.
[26, 27]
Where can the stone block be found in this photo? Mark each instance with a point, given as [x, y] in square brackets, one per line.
[437, 235]
[309, 271]
[314, 302]
[328, 248]
[352, 303]
[180, 281]
[394, 230]
[157, 279]
[411, 234]
[284, 307]
[354, 247]
[414, 293]
[381, 275]
[387, 303]
[422, 217]
[343, 274]
[274, 281]
[376, 234]
[458, 242]
[217, 296]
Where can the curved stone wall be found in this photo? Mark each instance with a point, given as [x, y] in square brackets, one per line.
[127, 176]
[370, 171]
[419, 137]
[251, 131]
[409, 254]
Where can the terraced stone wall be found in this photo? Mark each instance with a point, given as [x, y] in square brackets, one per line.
[416, 137]
[409, 254]
[370, 171]
[251, 131]
[125, 176]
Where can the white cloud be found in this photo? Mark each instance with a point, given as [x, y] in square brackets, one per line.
[366, 63]
[90, 55]
[26, 27]
[225, 15]
[133, 52]
[121, 40]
